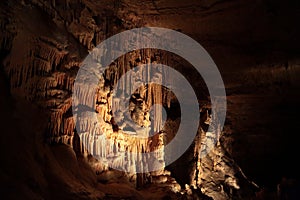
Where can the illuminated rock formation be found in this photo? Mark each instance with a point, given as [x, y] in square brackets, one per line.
[43, 44]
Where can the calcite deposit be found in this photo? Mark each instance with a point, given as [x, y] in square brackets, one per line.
[43, 45]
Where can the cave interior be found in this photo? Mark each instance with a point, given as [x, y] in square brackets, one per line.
[48, 151]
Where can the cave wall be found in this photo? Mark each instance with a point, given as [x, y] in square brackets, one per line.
[44, 42]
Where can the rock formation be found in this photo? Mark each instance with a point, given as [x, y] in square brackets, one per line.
[43, 44]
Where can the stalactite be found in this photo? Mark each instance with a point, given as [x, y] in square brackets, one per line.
[55, 122]
[68, 126]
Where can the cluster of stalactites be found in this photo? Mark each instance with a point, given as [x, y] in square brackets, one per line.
[120, 150]
[115, 146]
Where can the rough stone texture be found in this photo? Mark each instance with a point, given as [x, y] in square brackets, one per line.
[43, 44]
